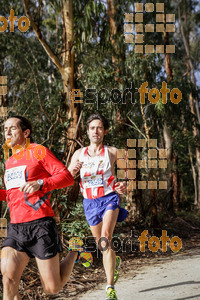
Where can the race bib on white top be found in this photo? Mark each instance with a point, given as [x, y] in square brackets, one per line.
[15, 177]
[92, 181]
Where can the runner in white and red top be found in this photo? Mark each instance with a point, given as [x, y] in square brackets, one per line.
[32, 232]
[100, 191]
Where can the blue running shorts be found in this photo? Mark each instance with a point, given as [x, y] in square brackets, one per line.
[96, 208]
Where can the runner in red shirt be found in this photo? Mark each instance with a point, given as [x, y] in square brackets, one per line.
[33, 165]
[31, 174]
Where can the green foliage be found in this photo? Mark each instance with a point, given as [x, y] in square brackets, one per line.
[76, 224]
[190, 217]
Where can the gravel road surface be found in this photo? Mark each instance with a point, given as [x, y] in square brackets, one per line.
[174, 278]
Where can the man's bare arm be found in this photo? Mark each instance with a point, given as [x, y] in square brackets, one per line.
[75, 164]
[113, 155]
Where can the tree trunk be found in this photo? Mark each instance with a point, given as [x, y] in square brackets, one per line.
[168, 146]
[113, 26]
[176, 190]
[154, 210]
[194, 105]
[173, 174]
[66, 65]
[168, 68]
[194, 177]
[117, 57]
[67, 71]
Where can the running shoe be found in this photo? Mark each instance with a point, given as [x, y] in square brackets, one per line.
[118, 262]
[76, 244]
[111, 294]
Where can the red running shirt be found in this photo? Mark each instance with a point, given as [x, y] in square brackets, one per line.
[25, 207]
[2, 195]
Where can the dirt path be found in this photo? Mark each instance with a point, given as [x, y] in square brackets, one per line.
[173, 278]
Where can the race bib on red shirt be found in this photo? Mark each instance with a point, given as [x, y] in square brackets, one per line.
[15, 177]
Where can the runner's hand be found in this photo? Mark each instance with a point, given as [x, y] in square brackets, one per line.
[76, 168]
[30, 187]
[120, 187]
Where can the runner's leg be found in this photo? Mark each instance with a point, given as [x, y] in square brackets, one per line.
[13, 263]
[54, 275]
[109, 257]
[96, 232]
[105, 229]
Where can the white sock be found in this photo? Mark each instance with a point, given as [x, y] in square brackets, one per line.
[109, 286]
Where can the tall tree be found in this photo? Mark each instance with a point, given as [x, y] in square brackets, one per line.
[193, 100]
[64, 64]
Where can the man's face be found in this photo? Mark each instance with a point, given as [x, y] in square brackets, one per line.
[14, 132]
[96, 132]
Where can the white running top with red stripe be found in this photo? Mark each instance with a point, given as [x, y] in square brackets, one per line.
[96, 176]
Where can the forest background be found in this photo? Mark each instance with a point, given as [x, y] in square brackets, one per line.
[81, 45]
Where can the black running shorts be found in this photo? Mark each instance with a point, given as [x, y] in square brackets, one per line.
[38, 238]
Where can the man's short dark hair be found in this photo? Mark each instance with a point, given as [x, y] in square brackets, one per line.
[98, 117]
[25, 124]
